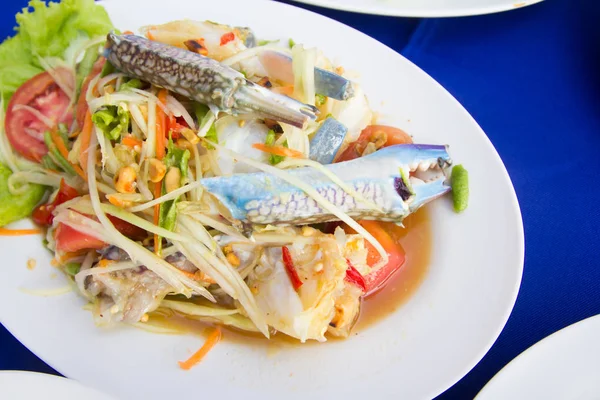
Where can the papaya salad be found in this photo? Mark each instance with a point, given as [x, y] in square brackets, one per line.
[193, 169]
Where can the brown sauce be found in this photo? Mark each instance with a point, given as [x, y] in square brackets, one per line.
[415, 238]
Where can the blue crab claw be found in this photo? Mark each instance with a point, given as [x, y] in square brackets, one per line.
[394, 181]
[330, 84]
[202, 79]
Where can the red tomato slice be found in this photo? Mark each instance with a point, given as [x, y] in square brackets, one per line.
[69, 240]
[374, 134]
[389, 136]
[375, 280]
[24, 129]
[42, 215]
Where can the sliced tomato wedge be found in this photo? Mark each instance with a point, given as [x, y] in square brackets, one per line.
[23, 125]
[396, 255]
[379, 135]
[70, 240]
[377, 279]
[42, 215]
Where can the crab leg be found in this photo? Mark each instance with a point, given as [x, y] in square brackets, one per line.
[330, 84]
[327, 141]
[202, 79]
[398, 179]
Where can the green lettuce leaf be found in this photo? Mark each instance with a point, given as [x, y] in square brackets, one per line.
[47, 30]
[14, 208]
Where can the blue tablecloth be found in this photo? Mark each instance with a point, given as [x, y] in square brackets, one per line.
[531, 78]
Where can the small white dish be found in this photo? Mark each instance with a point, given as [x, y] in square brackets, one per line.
[25, 385]
[423, 8]
[565, 366]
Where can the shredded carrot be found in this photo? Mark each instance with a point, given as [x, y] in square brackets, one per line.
[128, 33]
[161, 126]
[62, 149]
[157, 193]
[86, 135]
[65, 257]
[150, 36]
[211, 341]
[105, 263]
[278, 150]
[131, 141]
[198, 276]
[19, 232]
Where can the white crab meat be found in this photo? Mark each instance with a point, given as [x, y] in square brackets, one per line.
[324, 296]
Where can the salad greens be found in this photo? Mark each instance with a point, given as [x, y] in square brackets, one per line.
[112, 121]
[203, 115]
[14, 208]
[47, 30]
[175, 158]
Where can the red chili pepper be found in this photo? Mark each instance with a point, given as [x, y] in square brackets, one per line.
[290, 269]
[226, 38]
[42, 215]
[353, 276]
[175, 125]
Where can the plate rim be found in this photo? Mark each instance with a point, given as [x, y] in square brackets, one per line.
[419, 12]
[519, 227]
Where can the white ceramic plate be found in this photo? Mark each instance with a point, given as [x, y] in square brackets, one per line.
[423, 8]
[565, 366]
[418, 352]
[24, 385]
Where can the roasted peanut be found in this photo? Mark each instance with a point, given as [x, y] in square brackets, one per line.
[173, 179]
[156, 170]
[125, 180]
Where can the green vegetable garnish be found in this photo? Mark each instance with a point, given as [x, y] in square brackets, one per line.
[107, 69]
[48, 163]
[112, 121]
[47, 30]
[55, 155]
[320, 99]
[460, 188]
[14, 208]
[131, 84]
[291, 43]
[265, 42]
[175, 158]
[85, 67]
[72, 268]
[270, 141]
[203, 114]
